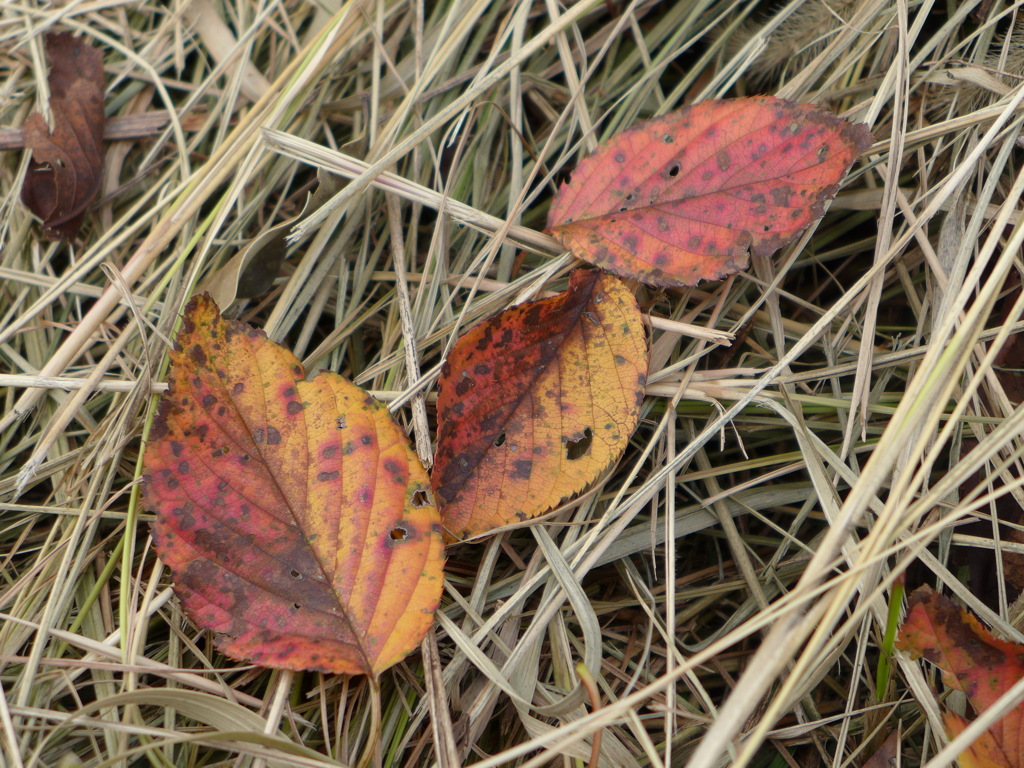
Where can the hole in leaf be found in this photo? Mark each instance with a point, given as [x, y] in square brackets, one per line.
[674, 170]
[629, 196]
[421, 499]
[577, 449]
[341, 423]
[622, 209]
[766, 227]
[295, 574]
[500, 439]
[398, 534]
[296, 606]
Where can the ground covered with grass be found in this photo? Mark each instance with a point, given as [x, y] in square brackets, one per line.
[835, 419]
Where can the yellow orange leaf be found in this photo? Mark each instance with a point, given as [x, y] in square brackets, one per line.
[985, 752]
[293, 514]
[536, 402]
[975, 662]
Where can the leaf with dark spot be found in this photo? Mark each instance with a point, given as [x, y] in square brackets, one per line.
[535, 403]
[687, 196]
[975, 662]
[578, 448]
[64, 171]
[281, 534]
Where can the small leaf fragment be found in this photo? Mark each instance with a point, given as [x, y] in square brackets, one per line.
[985, 752]
[253, 269]
[293, 514]
[887, 754]
[973, 661]
[64, 172]
[687, 196]
[536, 402]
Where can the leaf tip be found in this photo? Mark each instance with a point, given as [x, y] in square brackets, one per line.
[860, 137]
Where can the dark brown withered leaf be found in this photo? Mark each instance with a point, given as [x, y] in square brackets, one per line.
[64, 172]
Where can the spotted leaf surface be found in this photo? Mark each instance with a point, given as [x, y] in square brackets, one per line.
[975, 662]
[687, 196]
[295, 518]
[536, 402]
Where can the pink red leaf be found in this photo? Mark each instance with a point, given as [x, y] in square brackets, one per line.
[685, 197]
[536, 402]
[973, 661]
[293, 514]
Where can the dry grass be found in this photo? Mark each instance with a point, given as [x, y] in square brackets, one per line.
[727, 585]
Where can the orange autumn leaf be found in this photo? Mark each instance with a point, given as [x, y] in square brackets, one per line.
[986, 752]
[973, 661]
[536, 402]
[687, 196]
[293, 514]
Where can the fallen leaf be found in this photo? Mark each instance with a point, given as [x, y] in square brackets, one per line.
[293, 514]
[64, 172]
[973, 661]
[985, 752]
[536, 402]
[253, 269]
[685, 197]
[887, 755]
